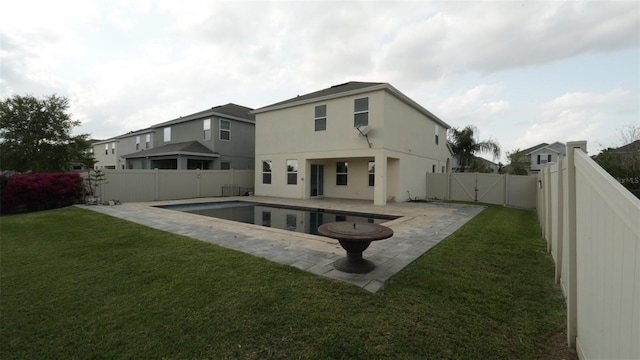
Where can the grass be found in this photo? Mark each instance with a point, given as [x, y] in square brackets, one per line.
[78, 284]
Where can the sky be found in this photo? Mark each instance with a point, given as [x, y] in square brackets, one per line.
[521, 72]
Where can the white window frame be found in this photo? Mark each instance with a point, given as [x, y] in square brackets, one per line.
[341, 174]
[147, 141]
[320, 118]
[437, 134]
[268, 172]
[138, 142]
[227, 131]
[292, 172]
[106, 149]
[372, 173]
[113, 148]
[357, 112]
[167, 134]
[206, 128]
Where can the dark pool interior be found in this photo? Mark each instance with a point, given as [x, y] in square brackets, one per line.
[292, 218]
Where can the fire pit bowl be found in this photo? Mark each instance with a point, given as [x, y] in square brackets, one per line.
[355, 238]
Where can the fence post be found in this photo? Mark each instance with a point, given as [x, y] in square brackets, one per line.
[549, 208]
[559, 236]
[572, 288]
[198, 183]
[506, 190]
[157, 184]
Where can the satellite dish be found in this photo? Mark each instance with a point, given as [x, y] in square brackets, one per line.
[363, 130]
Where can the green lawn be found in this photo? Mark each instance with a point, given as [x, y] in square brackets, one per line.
[78, 284]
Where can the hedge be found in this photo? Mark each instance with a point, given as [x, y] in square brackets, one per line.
[41, 191]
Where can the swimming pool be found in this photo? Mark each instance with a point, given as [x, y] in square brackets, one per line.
[292, 218]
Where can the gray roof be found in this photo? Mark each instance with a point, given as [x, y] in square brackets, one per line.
[629, 148]
[335, 89]
[193, 148]
[348, 89]
[228, 111]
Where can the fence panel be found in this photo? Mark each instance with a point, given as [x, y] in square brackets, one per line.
[491, 188]
[153, 185]
[592, 223]
[521, 191]
[438, 186]
[512, 190]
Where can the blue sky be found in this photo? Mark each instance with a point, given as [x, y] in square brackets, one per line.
[521, 72]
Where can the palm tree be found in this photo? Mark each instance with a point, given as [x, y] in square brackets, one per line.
[465, 145]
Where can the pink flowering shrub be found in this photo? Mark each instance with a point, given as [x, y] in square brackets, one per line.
[40, 191]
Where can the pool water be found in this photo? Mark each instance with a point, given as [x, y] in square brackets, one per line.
[299, 219]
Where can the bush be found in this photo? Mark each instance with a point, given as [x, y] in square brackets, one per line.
[22, 193]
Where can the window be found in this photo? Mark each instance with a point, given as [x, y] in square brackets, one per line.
[113, 148]
[167, 134]
[433, 168]
[544, 158]
[266, 172]
[138, 142]
[292, 172]
[341, 172]
[361, 112]
[225, 165]
[321, 118]
[106, 149]
[147, 140]
[206, 126]
[225, 130]
[437, 134]
[372, 173]
[443, 169]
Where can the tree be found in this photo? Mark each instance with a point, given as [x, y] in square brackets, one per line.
[518, 164]
[35, 135]
[623, 163]
[465, 145]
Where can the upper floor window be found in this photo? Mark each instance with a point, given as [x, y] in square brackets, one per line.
[225, 129]
[372, 173]
[321, 118]
[138, 142]
[437, 133]
[147, 141]
[292, 172]
[113, 148]
[167, 134]
[225, 165]
[106, 149]
[341, 172]
[206, 127]
[266, 172]
[433, 168]
[361, 112]
[544, 158]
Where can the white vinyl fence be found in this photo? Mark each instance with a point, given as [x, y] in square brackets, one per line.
[592, 227]
[510, 190]
[153, 185]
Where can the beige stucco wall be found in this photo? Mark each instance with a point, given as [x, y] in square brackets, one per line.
[402, 138]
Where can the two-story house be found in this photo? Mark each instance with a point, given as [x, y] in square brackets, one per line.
[357, 140]
[106, 154]
[220, 138]
[544, 153]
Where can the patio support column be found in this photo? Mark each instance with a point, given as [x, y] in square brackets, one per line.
[380, 188]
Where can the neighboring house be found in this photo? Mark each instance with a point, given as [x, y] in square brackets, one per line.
[356, 140]
[480, 165]
[106, 154]
[630, 148]
[544, 153]
[220, 138]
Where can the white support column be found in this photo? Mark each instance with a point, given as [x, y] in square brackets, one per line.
[380, 188]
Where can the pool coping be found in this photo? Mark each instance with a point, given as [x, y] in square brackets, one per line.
[420, 227]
